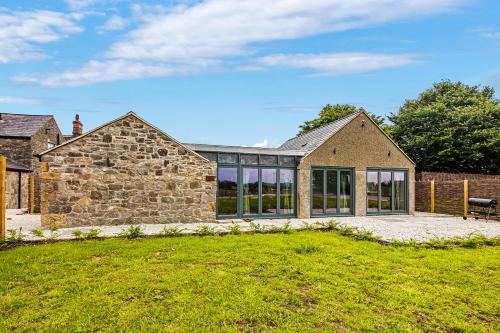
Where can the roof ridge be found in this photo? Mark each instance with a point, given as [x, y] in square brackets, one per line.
[24, 114]
[324, 125]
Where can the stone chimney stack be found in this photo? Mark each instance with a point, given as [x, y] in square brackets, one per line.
[77, 126]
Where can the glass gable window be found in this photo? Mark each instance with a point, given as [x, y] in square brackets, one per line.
[331, 190]
[386, 191]
[227, 196]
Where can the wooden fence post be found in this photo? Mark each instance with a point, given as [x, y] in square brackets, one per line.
[32, 194]
[432, 197]
[466, 196]
[3, 174]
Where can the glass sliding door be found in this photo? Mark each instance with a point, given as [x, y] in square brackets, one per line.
[372, 191]
[386, 191]
[287, 191]
[331, 191]
[318, 185]
[250, 189]
[227, 192]
[345, 192]
[399, 191]
[269, 191]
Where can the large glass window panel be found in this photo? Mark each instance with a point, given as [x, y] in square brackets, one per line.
[228, 158]
[287, 161]
[249, 159]
[331, 191]
[227, 182]
[269, 191]
[385, 191]
[372, 191]
[317, 190]
[345, 191]
[399, 190]
[250, 188]
[268, 160]
[287, 191]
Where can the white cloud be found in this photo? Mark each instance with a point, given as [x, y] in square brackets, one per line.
[215, 31]
[262, 144]
[20, 100]
[114, 23]
[101, 71]
[22, 32]
[80, 4]
[338, 63]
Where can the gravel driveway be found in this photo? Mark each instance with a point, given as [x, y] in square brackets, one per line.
[420, 227]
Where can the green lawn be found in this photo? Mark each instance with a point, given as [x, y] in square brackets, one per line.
[306, 281]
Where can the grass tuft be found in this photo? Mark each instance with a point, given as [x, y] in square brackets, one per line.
[205, 230]
[170, 232]
[132, 232]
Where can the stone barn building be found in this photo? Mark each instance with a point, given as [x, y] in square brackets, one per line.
[22, 137]
[128, 171]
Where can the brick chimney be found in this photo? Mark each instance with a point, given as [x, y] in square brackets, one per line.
[77, 126]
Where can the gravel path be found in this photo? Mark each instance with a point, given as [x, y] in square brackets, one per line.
[421, 227]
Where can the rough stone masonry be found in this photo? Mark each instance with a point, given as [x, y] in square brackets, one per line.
[126, 172]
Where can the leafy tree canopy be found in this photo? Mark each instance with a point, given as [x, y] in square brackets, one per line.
[331, 113]
[451, 127]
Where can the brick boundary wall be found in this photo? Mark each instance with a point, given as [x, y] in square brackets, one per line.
[449, 190]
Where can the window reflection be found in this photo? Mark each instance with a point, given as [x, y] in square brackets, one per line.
[287, 191]
[227, 181]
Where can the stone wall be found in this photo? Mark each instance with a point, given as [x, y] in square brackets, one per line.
[126, 172]
[359, 148]
[12, 192]
[48, 133]
[449, 190]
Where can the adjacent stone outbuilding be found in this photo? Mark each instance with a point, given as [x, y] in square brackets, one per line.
[124, 172]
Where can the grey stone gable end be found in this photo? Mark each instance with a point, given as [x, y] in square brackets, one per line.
[126, 172]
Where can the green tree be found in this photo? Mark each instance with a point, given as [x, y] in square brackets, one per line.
[331, 113]
[451, 127]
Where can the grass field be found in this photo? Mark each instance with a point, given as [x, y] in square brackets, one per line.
[305, 281]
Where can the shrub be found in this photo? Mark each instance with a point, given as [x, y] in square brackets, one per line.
[15, 236]
[92, 234]
[132, 232]
[308, 226]
[235, 230]
[170, 232]
[256, 228]
[54, 232]
[285, 229]
[205, 230]
[78, 234]
[37, 233]
[330, 225]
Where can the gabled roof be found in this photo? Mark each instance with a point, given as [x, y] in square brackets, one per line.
[309, 141]
[16, 166]
[21, 125]
[243, 150]
[113, 121]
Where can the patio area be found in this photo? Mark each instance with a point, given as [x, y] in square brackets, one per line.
[419, 227]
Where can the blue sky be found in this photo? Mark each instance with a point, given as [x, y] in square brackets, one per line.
[236, 72]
